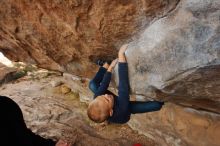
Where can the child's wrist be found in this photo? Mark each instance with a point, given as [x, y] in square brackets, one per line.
[121, 53]
[106, 66]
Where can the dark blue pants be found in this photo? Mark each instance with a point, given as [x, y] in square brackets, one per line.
[135, 106]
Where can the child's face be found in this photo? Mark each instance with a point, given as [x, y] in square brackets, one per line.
[106, 100]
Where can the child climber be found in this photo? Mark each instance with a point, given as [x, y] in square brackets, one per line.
[106, 105]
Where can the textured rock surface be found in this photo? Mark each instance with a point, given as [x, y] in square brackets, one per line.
[178, 126]
[6, 73]
[179, 53]
[68, 35]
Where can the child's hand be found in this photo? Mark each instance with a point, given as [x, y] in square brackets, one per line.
[114, 62]
[121, 53]
[123, 49]
[112, 65]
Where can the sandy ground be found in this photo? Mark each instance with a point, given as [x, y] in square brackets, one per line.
[53, 114]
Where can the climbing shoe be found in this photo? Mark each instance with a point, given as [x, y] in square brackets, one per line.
[100, 62]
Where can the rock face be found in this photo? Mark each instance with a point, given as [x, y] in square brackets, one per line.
[69, 35]
[178, 126]
[180, 52]
[173, 54]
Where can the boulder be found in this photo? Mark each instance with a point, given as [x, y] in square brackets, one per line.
[179, 54]
[175, 125]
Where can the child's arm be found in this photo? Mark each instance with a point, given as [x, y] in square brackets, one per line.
[104, 84]
[100, 74]
[106, 79]
[123, 90]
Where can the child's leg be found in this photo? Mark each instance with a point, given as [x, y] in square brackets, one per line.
[142, 107]
[95, 82]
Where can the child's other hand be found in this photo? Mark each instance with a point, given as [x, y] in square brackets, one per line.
[123, 49]
[112, 65]
[114, 62]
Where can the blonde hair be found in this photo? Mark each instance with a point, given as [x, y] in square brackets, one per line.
[97, 112]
